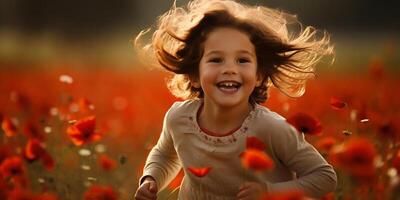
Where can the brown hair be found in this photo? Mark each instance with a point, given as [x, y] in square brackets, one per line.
[285, 60]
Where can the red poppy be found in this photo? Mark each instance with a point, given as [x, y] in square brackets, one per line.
[107, 163]
[255, 143]
[8, 127]
[325, 144]
[200, 172]
[83, 131]
[96, 192]
[256, 160]
[337, 103]
[306, 124]
[34, 150]
[13, 168]
[287, 195]
[356, 156]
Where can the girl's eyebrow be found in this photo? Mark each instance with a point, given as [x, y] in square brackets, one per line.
[221, 52]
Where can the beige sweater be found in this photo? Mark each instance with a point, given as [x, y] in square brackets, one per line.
[182, 144]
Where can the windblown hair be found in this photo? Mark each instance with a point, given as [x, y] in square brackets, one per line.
[284, 60]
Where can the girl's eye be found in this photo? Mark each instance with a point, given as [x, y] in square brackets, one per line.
[215, 60]
[243, 60]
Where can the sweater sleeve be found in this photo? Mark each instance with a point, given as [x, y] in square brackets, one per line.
[162, 162]
[315, 176]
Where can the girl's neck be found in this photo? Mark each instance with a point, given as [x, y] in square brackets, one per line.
[221, 120]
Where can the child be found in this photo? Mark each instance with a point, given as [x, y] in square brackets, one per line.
[225, 56]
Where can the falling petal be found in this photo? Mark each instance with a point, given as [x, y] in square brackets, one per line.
[200, 172]
[256, 160]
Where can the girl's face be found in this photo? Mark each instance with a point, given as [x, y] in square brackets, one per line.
[228, 68]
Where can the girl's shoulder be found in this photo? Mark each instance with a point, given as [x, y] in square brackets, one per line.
[266, 120]
[183, 109]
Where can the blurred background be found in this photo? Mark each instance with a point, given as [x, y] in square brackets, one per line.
[100, 31]
[65, 60]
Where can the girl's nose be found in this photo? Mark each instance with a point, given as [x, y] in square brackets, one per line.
[230, 68]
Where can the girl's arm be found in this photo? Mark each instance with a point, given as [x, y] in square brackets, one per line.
[314, 175]
[162, 163]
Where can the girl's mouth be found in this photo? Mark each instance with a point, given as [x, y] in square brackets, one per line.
[228, 86]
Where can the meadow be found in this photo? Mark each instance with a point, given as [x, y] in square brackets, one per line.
[69, 133]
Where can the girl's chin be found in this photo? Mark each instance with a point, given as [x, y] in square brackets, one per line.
[228, 102]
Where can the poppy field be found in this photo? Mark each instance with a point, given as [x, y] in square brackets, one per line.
[85, 133]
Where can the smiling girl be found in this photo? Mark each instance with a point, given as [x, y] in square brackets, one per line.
[225, 56]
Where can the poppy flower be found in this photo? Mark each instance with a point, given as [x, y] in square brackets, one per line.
[106, 163]
[287, 195]
[96, 192]
[306, 124]
[83, 131]
[256, 160]
[13, 168]
[337, 103]
[34, 151]
[8, 127]
[255, 143]
[200, 172]
[356, 156]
